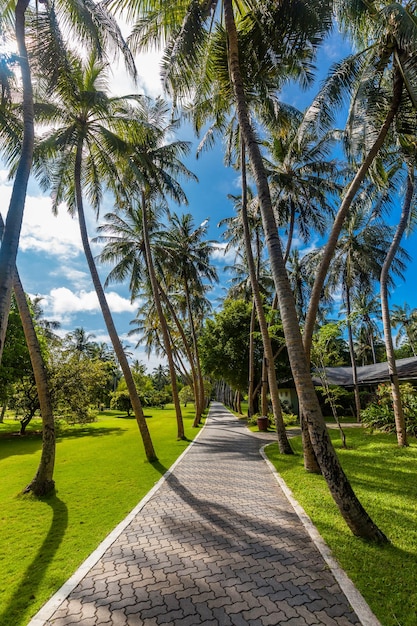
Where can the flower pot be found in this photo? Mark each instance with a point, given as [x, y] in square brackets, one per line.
[262, 423]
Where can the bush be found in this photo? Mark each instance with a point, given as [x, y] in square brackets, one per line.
[380, 414]
[290, 419]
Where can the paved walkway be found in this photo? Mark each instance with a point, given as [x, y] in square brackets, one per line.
[217, 543]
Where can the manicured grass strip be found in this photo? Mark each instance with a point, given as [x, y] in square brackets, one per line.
[384, 478]
[101, 474]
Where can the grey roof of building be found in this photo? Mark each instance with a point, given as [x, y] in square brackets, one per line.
[368, 374]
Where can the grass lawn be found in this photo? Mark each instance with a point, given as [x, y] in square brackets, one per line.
[101, 474]
[384, 478]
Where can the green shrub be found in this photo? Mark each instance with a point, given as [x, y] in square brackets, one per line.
[379, 415]
[290, 419]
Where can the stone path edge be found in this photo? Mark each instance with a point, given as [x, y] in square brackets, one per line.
[51, 605]
[355, 598]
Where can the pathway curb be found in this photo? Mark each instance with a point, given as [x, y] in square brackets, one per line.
[356, 600]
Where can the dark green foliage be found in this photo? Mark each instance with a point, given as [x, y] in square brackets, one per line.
[380, 414]
[224, 345]
[15, 363]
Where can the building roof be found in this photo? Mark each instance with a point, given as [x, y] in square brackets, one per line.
[369, 374]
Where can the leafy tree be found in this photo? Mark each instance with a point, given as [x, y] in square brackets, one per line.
[188, 261]
[76, 384]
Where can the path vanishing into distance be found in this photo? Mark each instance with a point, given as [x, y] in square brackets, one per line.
[216, 542]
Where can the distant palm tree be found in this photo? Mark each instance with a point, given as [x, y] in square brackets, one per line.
[404, 318]
[81, 342]
[188, 261]
[78, 157]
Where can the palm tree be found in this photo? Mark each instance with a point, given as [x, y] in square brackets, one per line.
[384, 281]
[188, 262]
[381, 79]
[78, 157]
[93, 26]
[242, 281]
[253, 267]
[405, 319]
[266, 47]
[366, 309]
[360, 254]
[303, 179]
[81, 342]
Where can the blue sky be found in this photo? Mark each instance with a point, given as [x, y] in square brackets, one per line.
[51, 261]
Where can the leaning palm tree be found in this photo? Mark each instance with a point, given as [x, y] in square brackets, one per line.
[76, 158]
[381, 81]
[262, 33]
[43, 482]
[92, 26]
[360, 254]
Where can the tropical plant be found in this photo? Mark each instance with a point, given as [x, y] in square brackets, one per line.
[92, 26]
[263, 34]
[188, 262]
[77, 159]
[380, 80]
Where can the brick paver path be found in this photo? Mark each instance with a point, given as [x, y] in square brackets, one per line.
[217, 544]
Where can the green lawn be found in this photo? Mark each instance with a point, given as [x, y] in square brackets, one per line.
[384, 478]
[101, 474]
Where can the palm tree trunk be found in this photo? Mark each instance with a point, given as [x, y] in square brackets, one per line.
[187, 348]
[10, 242]
[251, 366]
[162, 321]
[199, 392]
[323, 267]
[43, 482]
[389, 345]
[283, 443]
[353, 512]
[352, 357]
[114, 337]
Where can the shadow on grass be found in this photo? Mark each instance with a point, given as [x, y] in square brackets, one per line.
[88, 431]
[26, 589]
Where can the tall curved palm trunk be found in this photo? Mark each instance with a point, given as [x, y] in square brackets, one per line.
[389, 345]
[10, 242]
[114, 337]
[351, 509]
[283, 443]
[162, 321]
[43, 482]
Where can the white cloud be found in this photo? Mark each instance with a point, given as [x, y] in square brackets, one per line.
[43, 232]
[77, 277]
[63, 304]
[219, 253]
[149, 79]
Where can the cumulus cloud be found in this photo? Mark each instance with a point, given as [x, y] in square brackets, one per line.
[63, 304]
[220, 255]
[43, 232]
